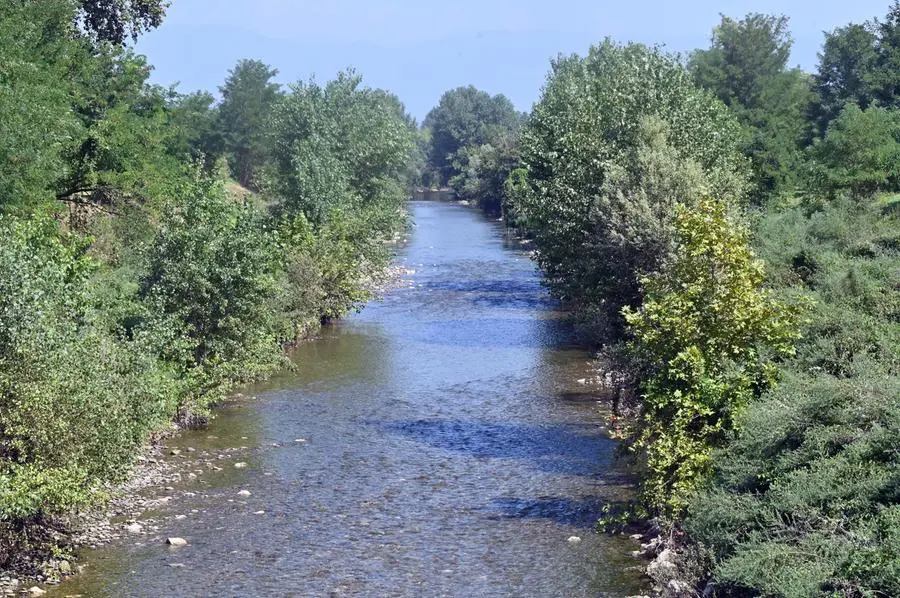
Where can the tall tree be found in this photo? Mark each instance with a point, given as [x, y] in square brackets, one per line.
[846, 62]
[859, 64]
[466, 117]
[116, 20]
[886, 78]
[746, 67]
[616, 140]
[248, 96]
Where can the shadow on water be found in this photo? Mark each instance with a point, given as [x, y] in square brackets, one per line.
[564, 510]
[573, 449]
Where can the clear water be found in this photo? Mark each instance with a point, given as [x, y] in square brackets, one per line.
[450, 451]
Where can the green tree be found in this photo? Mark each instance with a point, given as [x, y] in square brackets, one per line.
[248, 97]
[196, 135]
[466, 118]
[859, 64]
[212, 271]
[37, 122]
[860, 152]
[703, 338]
[845, 64]
[617, 138]
[116, 20]
[886, 76]
[340, 145]
[746, 67]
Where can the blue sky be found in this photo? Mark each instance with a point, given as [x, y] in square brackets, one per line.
[419, 49]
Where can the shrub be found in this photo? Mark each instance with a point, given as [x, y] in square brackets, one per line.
[75, 399]
[212, 273]
[704, 338]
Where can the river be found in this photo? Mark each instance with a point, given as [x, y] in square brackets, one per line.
[438, 443]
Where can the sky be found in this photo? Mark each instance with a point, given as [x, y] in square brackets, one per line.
[419, 49]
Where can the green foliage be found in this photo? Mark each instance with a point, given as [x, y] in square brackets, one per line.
[339, 146]
[804, 501]
[859, 64]
[704, 338]
[484, 171]
[466, 118]
[196, 135]
[617, 139]
[847, 57]
[212, 269]
[746, 68]
[248, 97]
[860, 153]
[76, 398]
[37, 119]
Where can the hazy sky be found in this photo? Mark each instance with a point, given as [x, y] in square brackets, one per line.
[419, 49]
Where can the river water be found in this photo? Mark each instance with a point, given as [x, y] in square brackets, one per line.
[449, 450]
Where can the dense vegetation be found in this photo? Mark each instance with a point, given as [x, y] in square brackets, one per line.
[471, 144]
[139, 281]
[726, 228]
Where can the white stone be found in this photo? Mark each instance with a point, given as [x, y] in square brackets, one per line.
[574, 539]
[176, 542]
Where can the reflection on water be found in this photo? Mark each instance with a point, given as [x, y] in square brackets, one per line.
[449, 451]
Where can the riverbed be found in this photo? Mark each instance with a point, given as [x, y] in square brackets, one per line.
[442, 442]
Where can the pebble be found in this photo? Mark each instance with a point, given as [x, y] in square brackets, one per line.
[260, 513]
[134, 528]
[240, 465]
[36, 591]
[244, 493]
[175, 452]
[176, 542]
[574, 540]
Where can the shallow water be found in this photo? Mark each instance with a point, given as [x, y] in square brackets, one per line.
[449, 451]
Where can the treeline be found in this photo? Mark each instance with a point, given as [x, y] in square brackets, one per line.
[158, 248]
[726, 228]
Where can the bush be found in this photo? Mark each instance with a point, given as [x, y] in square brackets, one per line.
[212, 273]
[76, 400]
[804, 502]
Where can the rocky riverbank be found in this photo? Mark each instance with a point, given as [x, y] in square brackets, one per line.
[46, 552]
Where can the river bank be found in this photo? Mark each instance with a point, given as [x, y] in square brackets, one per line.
[450, 449]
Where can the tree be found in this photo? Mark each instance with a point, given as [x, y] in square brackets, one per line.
[746, 67]
[466, 117]
[37, 122]
[860, 152]
[846, 62]
[116, 20]
[194, 118]
[340, 145]
[859, 64]
[886, 78]
[701, 337]
[616, 140]
[248, 97]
